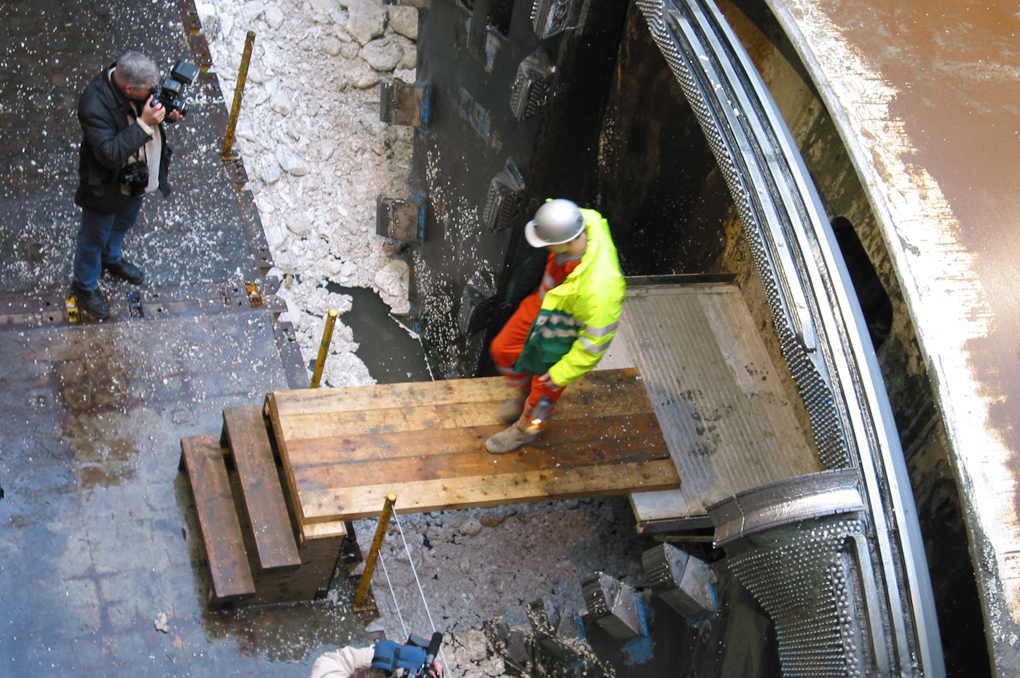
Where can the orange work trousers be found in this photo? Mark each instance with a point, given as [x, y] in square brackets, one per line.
[507, 347]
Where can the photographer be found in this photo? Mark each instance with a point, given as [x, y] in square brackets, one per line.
[124, 155]
[347, 662]
[354, 662]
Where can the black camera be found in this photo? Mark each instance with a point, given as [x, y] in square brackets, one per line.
[135, 176]
[415, 656]
[170, 90]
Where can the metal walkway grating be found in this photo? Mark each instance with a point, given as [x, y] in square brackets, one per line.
[726, 418]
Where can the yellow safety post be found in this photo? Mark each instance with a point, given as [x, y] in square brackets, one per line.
[360, 604]
[235, 110]
[71, 305]
[327, 337]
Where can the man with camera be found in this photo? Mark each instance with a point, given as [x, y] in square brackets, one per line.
[124, 155]
[414, 658]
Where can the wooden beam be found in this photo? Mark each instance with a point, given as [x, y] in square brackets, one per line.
[202, 458]
[270, 522]
[343, 450]
[491, 490]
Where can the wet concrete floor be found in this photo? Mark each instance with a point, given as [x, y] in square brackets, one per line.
[98, 534]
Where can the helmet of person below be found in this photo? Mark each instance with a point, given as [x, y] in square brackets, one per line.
[555, 222]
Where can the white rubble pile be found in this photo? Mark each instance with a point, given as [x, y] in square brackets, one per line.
[316, 153]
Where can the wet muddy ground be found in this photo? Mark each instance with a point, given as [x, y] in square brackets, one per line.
[102, 568]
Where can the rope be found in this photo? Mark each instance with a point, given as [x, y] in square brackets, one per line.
[403, 626]
[417, 581]
[421, 591]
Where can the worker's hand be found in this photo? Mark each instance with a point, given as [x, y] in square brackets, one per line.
[545, 379]
[152, 115]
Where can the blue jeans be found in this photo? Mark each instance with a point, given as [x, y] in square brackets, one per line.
[99, 240]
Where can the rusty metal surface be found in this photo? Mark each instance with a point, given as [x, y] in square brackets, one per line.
[925, 98]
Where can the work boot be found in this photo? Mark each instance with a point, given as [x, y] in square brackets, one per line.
[92, 302]
[510, 410]
[125, 270]
[519, 434]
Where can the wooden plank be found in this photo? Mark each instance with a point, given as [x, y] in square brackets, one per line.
[304, 402]
[309, 581]
[260, 485]
[313, 400]
[463, 440]
[627, 399]
[329, 530]
[271, 409]
[491, 490]
[228, 562]
[461, 453]
[426, 442]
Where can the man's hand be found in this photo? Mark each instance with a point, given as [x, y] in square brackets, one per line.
[175, 116]
[152, 115]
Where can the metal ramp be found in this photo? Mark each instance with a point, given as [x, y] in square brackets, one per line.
[729, 423]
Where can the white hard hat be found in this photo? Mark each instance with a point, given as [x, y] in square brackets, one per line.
[556, 222]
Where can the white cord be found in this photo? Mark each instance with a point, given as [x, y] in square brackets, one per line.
[421, 591]
[403, 626]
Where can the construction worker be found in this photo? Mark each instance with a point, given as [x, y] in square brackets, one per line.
[562, 330]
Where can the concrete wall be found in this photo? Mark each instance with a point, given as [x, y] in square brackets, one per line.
[469, 54]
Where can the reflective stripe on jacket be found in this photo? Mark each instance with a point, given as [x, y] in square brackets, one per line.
[579, 316]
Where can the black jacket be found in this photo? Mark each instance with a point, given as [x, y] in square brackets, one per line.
[109, 141]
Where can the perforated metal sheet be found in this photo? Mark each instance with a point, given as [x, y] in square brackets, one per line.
[808, 582]
[750, 204]
[723, 411]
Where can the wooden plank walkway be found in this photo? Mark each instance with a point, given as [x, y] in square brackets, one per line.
[343, 450]
[245, 432]
[202, 458]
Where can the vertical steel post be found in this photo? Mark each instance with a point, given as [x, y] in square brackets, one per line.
[327, 337]
[235, 110]
[366, 576]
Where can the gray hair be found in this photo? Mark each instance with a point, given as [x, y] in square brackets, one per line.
[137, 70]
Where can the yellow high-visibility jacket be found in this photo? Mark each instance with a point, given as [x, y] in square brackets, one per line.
[579, 316]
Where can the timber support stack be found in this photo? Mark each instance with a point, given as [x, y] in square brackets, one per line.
[254, 551]
[310, 461]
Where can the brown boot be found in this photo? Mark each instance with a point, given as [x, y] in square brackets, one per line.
[518, 435]
[511, 409]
